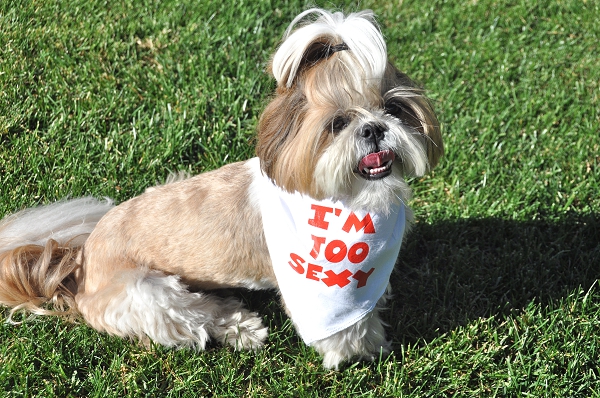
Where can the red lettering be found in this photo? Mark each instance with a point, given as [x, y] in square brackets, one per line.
[358, 252]
[318, 241]
[365, 223]
[311, 272]
[362, 277]
[340, 279]
[319, 219]
[296, 260]
[335, 251]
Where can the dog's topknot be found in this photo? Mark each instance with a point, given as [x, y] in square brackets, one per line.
[308, 40]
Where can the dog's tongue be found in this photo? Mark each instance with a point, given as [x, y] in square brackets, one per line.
[374, 160]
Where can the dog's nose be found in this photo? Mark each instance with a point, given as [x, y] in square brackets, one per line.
[373, 132]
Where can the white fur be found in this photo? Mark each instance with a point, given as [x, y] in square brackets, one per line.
[334, 178]
[63, 221]
[152, 304]
[358, 30]
[363, 340]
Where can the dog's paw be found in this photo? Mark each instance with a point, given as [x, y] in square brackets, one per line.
[241, 329]
[242, 332]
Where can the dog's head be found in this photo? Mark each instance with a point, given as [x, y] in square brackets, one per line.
[344, 123]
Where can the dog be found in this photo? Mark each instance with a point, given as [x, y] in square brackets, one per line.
[318, 215]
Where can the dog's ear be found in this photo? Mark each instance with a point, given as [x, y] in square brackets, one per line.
[415, 110]
[430, 128]
[277, 145]
[419, 112]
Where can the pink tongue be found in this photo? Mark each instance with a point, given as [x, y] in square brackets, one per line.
[374, 160]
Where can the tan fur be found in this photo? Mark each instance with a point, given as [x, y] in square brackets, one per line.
[203, 229]
[33, 275]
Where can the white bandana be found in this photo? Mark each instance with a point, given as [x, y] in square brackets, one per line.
[332, 265]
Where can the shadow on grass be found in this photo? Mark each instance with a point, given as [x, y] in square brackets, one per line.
[452, 272]
[448, 274]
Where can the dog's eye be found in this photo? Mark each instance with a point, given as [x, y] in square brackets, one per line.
[339, 123]
[394, 109]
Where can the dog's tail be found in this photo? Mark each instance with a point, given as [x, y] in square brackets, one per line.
[38, 250]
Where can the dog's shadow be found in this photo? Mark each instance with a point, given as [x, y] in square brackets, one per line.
[451, 272]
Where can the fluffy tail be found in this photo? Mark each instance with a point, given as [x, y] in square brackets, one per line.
[38, 249]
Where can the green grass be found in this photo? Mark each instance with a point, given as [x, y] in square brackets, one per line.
[496, 290]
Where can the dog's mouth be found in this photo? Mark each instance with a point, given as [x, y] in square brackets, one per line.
[376, 165]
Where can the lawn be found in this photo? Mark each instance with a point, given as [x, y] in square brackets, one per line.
[496, 288]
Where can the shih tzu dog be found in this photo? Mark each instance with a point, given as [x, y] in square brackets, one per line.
[319, 214]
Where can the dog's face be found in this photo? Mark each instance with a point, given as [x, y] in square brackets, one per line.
[345, 123]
